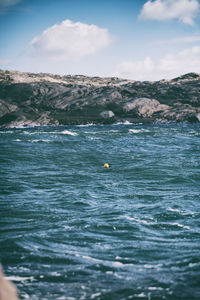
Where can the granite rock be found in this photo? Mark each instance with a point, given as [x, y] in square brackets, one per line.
[31, 99]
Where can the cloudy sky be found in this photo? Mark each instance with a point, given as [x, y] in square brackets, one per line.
[134, 39]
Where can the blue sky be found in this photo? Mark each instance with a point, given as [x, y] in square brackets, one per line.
[134, 39]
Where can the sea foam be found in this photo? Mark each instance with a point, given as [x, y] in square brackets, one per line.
[67, 132]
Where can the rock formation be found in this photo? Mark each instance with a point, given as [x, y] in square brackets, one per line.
[45, 99]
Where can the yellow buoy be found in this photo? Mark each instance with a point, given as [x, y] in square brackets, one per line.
[106, 165]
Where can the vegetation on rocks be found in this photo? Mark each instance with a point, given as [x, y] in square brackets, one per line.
[46, 99]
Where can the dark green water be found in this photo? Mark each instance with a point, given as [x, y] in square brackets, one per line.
[70, 229]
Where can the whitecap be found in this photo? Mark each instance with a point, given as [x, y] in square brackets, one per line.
[173, 209]
[5, 132]
[114, 130]
[86, 125]
[134, 130]
[29, 133]
[194, 133]
[188, 212]
[88, 258]
[141, 295]
[36, 132]
[138, 220]
[147, 266]
[40, 132]
[102, 131]
[24, 126]
[154, 288]
[93, 296]
[17, 140]
[56, 274]
[34, 141]
[123, 123]
[184, 213]
[181, 225]
[18, 278]
[93, 138]
[91, 258]
[117, 264]
[17, 126]
[25, 295]
[118, 257]
[117, 275]
[68, 227]
[37, 141]
[138, 130]
[90, 132]
[69, 132]
[191, 265]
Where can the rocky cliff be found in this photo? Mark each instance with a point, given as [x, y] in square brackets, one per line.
[46, 99]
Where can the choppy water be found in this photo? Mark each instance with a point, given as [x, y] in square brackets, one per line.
[70, 229]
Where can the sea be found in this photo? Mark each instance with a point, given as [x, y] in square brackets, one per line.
[71, 229]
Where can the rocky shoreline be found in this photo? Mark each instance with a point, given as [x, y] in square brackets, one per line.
[29, 99]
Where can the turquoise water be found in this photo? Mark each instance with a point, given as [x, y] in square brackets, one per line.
[71, 229]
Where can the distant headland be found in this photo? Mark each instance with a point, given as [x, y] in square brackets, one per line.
[29, 99]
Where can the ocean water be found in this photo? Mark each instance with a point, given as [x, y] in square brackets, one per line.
[71, 229]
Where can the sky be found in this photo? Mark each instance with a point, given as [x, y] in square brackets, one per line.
[131, 39]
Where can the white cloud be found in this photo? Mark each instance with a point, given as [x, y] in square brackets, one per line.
[5, 61]
[181, 40]
[183, 10]
[70, 41]
[170, 66]
[135, 69]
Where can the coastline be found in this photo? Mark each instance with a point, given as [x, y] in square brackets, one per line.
[28, 99]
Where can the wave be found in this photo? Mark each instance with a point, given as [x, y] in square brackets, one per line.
[38, 141]
[108, 263]
[183, 212]
[102, 132]
[138, 220]
[86, 125]
[18, 278]
[173, 209]
[51, 132]
[123, 123]
[93, 138]
[25, 126]
[5, 132]
[181, 225]
[69, 132]
[138, 130]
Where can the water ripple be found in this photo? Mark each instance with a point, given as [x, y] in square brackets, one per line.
[71, 229]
